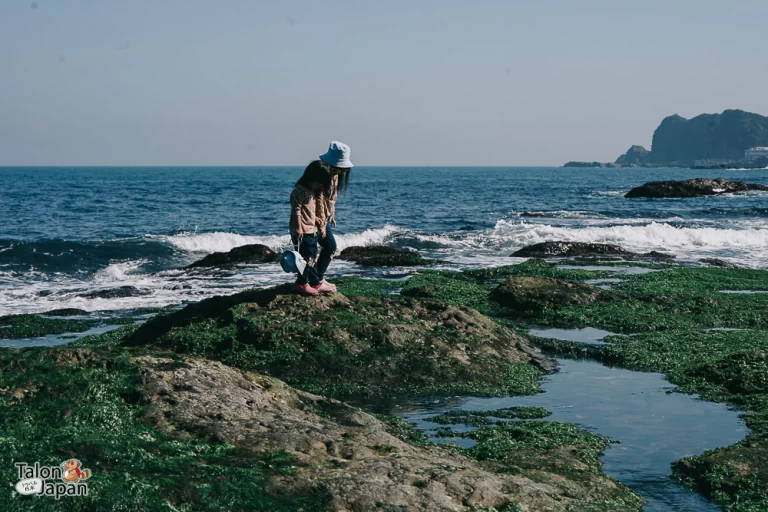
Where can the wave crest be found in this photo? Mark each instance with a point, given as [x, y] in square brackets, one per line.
[224, 241]
[644, 237]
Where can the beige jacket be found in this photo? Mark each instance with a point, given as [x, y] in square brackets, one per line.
[308, 212]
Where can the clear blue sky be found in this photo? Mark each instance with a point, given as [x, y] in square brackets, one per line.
[193, 82]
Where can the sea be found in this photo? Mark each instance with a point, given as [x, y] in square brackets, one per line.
[67, 232]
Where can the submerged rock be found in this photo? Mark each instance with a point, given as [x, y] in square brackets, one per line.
[716, 262]
[533, 294]
[546, 249]
[114, 293]
[345, 346]
[345, 454]
[65, 312]
[244, 255]
[656, 255]
[586, 251]
[383, 256]
[692, 188]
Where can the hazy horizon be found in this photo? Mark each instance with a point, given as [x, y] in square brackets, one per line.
[487, 84]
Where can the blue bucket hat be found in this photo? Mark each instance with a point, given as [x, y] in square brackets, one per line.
[338, 155]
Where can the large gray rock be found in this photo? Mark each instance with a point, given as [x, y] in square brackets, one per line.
[692, 188]
[343, 453]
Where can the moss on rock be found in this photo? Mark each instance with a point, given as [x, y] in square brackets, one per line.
[535, 294]
[341, 347]
[33, 326]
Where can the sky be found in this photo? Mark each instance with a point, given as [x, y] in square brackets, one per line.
[418, 82]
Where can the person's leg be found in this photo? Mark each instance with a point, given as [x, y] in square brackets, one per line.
[308, 251]
[328, 245]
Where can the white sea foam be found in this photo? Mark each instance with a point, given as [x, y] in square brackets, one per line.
[223, 241]
[36, 291]
[117, 272]
[368, 237]
[651, 236]
[607, 193]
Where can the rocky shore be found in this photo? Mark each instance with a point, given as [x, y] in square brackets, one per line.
[234, 401]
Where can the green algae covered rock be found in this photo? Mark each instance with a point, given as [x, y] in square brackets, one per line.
[735, 477]
[184, 433]
[33, 326]
[525, 294]
[339, 346]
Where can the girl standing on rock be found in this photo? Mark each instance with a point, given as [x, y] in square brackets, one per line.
[313, 212]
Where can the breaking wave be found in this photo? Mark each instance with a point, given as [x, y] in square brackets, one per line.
[750, 242]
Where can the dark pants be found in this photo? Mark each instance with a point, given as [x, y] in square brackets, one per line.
[314, 272]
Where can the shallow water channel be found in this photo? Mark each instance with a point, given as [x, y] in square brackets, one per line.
[652, 427]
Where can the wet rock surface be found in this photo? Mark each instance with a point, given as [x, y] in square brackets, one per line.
[692, 188]
[383, 256]
[114, 293]
[65, 312]
[244, 255]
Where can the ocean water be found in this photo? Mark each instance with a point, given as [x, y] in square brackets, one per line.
[66, 232]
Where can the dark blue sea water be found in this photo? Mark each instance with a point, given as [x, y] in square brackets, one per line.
[67, 231]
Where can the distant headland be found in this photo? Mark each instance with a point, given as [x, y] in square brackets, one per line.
[733, 139]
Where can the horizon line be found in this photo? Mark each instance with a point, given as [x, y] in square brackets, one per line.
[287, 166]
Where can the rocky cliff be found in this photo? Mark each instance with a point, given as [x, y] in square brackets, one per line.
[716, 140]
[708, 137]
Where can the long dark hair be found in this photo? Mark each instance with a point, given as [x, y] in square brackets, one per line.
[317, 171]
[343, 181]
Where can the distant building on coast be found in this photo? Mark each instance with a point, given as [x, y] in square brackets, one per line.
[756, 153]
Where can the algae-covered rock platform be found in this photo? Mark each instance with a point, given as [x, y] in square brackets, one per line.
[233, 403]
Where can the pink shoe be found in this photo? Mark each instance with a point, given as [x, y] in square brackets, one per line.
[305, 289]
[326, 287]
